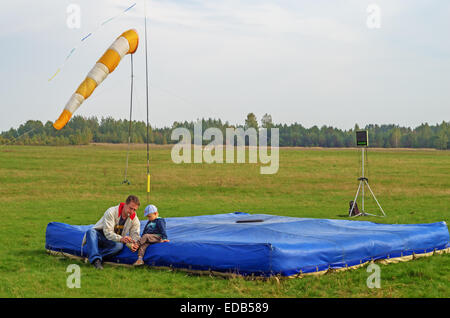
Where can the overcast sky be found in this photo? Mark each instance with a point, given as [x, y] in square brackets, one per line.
[311, 62]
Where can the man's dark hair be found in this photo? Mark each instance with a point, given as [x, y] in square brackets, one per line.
[133, 198]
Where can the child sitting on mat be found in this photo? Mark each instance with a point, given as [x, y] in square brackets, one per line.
[154, 232]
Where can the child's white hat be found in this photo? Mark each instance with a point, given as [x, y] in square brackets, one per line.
[150, 209]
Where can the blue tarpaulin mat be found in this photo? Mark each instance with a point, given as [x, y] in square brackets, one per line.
[266, 245]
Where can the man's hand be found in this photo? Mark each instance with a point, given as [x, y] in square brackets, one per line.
[126, 239]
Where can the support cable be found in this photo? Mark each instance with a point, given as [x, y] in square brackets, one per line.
[125, 180]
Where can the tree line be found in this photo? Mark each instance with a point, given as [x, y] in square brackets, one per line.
[84, 130]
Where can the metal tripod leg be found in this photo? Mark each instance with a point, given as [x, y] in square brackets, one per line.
[375, 198]
[354, 201]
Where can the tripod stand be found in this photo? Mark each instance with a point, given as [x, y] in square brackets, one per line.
[362, 182]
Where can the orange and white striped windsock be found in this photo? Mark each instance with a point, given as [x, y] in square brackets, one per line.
[126, 43]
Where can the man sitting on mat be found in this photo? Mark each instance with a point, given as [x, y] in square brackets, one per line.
[107, 236]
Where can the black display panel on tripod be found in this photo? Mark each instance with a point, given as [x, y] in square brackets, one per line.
[362, 138]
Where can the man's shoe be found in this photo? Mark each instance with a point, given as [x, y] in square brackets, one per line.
[98, 264]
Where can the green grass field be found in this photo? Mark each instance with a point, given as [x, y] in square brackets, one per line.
[77, 184]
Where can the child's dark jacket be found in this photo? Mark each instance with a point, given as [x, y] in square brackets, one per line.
[157, 226]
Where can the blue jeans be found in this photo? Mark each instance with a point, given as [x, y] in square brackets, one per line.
[99, 247]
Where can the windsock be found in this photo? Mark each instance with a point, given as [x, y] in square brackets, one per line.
[126, 43]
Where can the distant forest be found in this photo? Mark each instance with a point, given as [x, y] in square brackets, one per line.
[82, 131]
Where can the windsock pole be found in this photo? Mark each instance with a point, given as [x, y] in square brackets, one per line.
[146, 91]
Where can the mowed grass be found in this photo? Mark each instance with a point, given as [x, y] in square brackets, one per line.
[77, 184]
